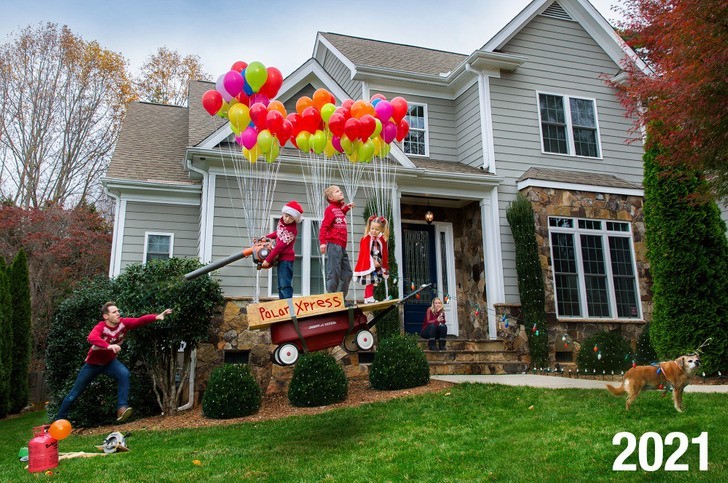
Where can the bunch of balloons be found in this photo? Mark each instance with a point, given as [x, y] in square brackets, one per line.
[244, 95]
[359, 129]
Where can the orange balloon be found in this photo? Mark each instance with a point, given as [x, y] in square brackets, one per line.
[322, 97]
[359, 108]
[302, 103]
[60, 429]
[277, 106]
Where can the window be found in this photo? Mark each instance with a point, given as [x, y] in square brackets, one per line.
[571, 131]
[307, 275]
[594, 269]
[158, 246]
[416, 140]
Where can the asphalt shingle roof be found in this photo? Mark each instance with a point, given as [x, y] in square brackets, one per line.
[577, 177]
[375, 53]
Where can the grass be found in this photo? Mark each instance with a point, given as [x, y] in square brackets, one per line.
[476, 433]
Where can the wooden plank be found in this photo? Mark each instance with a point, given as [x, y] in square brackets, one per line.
[377, 305]
[262, 315]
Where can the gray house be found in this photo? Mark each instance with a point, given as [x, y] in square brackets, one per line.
[528, 113]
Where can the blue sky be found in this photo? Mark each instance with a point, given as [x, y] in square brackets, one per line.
[275, 32]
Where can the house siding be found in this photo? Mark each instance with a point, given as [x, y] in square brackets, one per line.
[160, 218]
[562, 59]
[342, 75]
[468, 128]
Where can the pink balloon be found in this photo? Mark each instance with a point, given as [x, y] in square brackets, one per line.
[249, 137]
[219, 87]
[233, 82]
[261, 98]
[336, 143]
[383, 110]
[389, 131]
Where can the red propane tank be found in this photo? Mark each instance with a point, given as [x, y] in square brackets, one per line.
[42, 450]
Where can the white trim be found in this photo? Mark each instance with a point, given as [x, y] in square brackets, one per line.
[493, 258]
[570, 141]
[118, 233]
[451, 312]
[539, 183]
[320, 39]
[486, 120]
[207, 225]
[397, 222]
[158, 233]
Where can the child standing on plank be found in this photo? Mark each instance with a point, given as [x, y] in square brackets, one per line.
[333, 235]
[373, 263]
[285, 237]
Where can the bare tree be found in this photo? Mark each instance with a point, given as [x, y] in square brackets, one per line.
[62, 103]
[165, 77]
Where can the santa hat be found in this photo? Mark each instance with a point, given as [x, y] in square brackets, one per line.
[294, 209]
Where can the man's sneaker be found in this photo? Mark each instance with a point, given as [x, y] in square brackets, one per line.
[123, 413]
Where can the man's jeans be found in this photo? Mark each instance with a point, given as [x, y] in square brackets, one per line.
[88, 373]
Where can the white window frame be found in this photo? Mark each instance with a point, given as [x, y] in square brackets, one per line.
[566, 105]
[158, 233]
[304, 233]
[605, 234]
[425, 130]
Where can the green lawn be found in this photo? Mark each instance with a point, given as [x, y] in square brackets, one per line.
[477, 432]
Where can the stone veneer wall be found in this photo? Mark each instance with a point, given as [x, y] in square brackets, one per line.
[555, 202]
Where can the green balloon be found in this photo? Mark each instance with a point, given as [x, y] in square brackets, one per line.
[256, 74]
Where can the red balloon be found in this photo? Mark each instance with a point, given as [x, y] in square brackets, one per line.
[377, 96]
[336, 124]
[259, 115]
[243, 98]
[212, 102]
[285, 132]
[296, 123]
[367, 125]
[311, 119]
[239, 66]
[352, 128]
[399, 108]
[273, 83]
[274, 120]
[343, 111]
[402, 129]
[347, 104]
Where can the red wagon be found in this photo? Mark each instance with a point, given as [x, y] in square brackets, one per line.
[308, 324]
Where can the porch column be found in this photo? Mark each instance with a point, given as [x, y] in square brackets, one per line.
[397, 227]
[494, 285]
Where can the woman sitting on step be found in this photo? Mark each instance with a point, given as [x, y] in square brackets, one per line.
[434, 328]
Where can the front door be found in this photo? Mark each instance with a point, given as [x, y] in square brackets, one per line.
[420, 267]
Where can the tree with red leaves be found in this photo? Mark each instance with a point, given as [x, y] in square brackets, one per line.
[685, 101]
[63, 248]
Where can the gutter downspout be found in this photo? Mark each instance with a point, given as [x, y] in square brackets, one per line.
[118, 234]
[191, 394]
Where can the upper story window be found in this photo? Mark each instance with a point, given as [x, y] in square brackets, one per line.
[569, 125]
[594, 269]
[158, 246]
[416, 142]
[308, 277]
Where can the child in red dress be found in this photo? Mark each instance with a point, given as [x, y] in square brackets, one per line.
[373, 263]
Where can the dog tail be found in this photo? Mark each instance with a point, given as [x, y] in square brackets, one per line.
[617, 391]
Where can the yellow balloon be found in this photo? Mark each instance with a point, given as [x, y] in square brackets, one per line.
[265, 141]
[239, 115]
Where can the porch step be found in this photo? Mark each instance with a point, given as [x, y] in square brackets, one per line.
[466, 356]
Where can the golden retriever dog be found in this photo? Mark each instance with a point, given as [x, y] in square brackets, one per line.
[673, 374]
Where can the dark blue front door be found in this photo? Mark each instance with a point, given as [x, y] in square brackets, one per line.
[418, 253]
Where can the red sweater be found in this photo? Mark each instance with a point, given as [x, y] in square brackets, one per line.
[102, 336]
[285, 236]
[333, 226]
[432, 318]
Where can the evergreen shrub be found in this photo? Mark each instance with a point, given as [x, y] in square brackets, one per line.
[645, 354]
[605, 352]
[399, 363]
[317, 381]
[232, 392]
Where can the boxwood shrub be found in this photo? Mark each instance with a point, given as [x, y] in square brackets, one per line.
[317, 381]
[232, 392]
[399, 363]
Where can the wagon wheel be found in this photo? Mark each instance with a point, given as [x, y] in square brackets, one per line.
[288, 354]
[364, 340]
[349, 343]
[276, 356]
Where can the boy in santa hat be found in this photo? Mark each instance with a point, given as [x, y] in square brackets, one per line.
[285, 236]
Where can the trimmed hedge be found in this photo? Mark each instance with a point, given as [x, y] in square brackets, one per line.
[317, 381]
[688, 255]
[231, 392]
[399, 363]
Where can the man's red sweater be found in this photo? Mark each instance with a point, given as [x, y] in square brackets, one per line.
[102, 336]
[333, 226]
